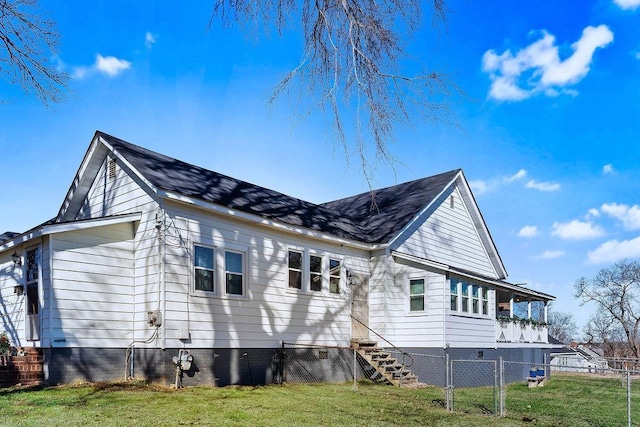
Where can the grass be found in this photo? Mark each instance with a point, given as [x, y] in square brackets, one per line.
[564, 401]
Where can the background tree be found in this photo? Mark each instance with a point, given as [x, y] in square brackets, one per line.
[352, 64]
[616, 293]
[27, 43]
[562, 325]
[603, 331]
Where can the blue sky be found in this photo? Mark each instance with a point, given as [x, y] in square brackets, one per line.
[548, 127]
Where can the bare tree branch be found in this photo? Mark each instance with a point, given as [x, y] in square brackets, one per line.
[352, 66]
[27, 43]
[616, 293]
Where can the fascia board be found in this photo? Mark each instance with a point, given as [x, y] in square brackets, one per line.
[68, 226]
[90, 223]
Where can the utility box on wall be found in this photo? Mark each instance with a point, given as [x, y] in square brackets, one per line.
[154, 318]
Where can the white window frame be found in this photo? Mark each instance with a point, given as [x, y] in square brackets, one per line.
[242, 273]
[307, 275]
[301, 270]
[482, 300]
[341, 280]
[214, 272]
[423, 295]
[321, 274]
[457, 295]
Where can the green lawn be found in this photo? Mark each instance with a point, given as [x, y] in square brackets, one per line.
[564, 401]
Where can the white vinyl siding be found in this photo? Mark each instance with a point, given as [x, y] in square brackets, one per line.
[390, 304]
[448, 235]
[270, 312]
[112, 196]
[93, 282]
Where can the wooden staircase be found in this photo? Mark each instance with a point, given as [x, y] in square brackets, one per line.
[380, 366]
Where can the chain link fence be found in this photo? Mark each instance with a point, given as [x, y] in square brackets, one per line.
[481, 375]
[472, 386]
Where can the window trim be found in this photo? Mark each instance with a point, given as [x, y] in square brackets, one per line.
[339, 275]
[423, 295]
[482, 300]
[301, 269]
[324, 273]
[242, 274]
[321, 273]
[214, 270]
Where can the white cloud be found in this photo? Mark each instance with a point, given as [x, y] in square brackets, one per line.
[627, 4]
[150, 39]
[528, 231]
[540, 66]
[550, 255]
[520, 174]
[593, 212]
[606, 169]
[543, 186]
[629, 215]
[480, 187]
[614, 250]
[109, 65]
[577, 230]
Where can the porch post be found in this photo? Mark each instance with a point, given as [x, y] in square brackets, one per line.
[546, 312]
[511, 307]
[529, 309]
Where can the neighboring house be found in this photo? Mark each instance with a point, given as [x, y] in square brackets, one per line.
[149, 256]
[577, 358]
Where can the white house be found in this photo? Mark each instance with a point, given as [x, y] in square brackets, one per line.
[149, 256]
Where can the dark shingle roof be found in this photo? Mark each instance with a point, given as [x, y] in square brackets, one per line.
[8, 235]
[352, 218]
[388, 210]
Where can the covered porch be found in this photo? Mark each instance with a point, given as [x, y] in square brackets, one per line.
[521, 317]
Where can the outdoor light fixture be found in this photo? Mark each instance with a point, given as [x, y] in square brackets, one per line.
[17, 260]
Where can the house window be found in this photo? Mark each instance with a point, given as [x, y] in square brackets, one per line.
[315, 273]
[485, 300]
[465, 297]
[334, 276]
[454, 294]
[475, 299]
[416, 295]
[233, 265]
[203, 264]
[295, 269]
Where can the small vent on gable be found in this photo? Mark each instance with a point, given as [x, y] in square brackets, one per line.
[452, 202]
[112, 169]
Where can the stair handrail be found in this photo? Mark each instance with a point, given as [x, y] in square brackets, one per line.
[404, 353]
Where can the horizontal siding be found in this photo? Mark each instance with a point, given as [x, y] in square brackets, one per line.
[270, 312]
[93, 284]
[449, 236]
[111, 196]
[470, 332]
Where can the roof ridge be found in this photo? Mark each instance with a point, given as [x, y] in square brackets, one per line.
[350, 217]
